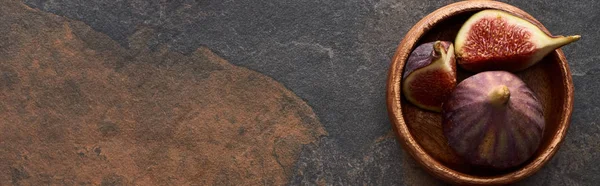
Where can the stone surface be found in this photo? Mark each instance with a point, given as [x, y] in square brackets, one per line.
[335, 55]
[77, 109]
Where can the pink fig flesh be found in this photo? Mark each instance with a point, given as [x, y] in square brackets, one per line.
[497, 40]
[492, 119]
[430, 75]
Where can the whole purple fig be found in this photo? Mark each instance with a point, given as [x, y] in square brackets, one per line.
[492, 119]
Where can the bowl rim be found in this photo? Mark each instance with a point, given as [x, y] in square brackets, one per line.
[409, 143]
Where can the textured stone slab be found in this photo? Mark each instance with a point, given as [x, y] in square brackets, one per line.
[78, 109]
[335, 55]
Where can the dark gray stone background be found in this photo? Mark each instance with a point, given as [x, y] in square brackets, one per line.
[335, 55]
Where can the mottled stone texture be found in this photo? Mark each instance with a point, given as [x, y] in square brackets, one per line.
[335, 55]
[77, 109]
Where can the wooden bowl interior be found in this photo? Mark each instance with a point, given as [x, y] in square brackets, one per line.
[544, 79]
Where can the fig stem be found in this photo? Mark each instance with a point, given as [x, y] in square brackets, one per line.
[562, 41]
[499, 95]
[437, 48]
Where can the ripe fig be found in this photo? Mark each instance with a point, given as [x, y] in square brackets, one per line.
[497, 40]
[493, 120]
[430, 75]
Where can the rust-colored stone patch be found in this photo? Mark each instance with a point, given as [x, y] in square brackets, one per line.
[78, 109]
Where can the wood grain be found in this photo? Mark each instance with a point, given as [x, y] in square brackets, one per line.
[420, 131]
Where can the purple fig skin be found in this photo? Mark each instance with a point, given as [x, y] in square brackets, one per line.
[430, 75]
[492, 119]
[423, 56]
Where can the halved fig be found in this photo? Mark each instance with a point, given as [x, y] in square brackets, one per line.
[493, 120]
[497, 40]
[430, 75]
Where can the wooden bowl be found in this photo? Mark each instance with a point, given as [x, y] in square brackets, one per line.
[420, 132]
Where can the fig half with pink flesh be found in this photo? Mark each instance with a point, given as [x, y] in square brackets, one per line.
[430, 75]
[497, 40]
[493, 120]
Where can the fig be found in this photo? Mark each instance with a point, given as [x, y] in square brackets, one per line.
[430, 75]
[493, 120]
[496, 40]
